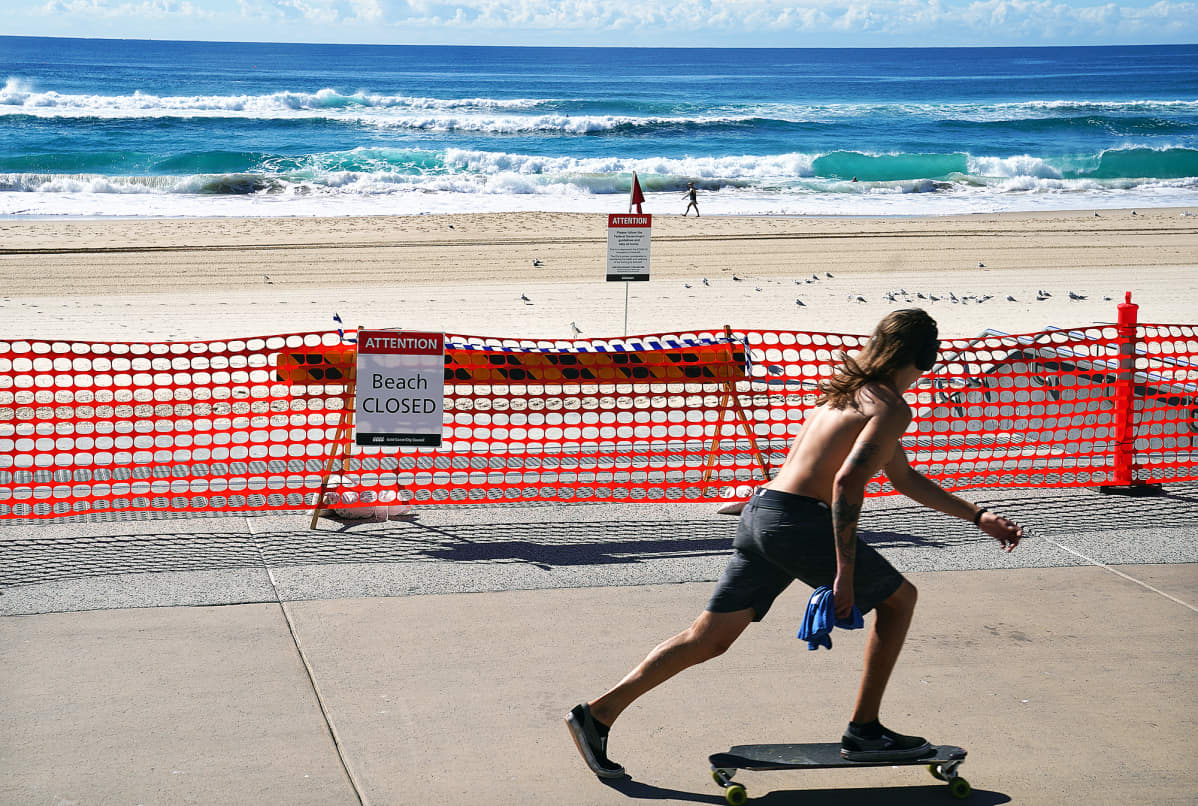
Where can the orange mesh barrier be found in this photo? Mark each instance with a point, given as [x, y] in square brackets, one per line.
[1165, 404]
[252, 424]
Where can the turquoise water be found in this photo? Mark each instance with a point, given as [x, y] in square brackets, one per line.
[95, 127]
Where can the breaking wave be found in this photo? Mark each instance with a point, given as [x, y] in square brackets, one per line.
[372, 171]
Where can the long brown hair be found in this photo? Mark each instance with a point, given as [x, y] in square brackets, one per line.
[895, 343]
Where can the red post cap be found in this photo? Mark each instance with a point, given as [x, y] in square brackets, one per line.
[1128, 311]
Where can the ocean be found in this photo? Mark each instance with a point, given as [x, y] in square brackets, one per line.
[151, 128]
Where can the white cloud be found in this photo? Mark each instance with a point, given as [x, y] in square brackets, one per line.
[367, 10]
[878, 22]
[181, 9]
[318, 13]
[999, 17]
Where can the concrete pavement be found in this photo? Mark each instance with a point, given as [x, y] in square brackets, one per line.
[249, 661]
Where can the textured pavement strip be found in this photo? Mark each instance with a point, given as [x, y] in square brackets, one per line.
[161, 562]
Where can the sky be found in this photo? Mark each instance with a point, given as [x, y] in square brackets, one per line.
[646, 23]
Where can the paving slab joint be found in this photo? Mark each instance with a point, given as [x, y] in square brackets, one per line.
[324, 712]
[1119, 573]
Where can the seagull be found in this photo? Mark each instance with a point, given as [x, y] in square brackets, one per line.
[1106, 299]
[266, 279]
[757, 288]
[705, 281]
[860, 298]
[920, 295]
[815, 277]
[981, 265]
[1133, 212]
[953, 297]
[828, 273]
[577, 330]
[737, 279]
[933, 298]
[800, 303]
[1075, 296]
[537, 262]
[1096, 215]
[451, 226]
[687, 285]
[1011, 299]
[527, 301]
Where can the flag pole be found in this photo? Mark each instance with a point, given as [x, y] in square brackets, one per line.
[626, 309]
[636, 198]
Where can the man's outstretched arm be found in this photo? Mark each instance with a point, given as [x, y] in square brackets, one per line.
[919, 488]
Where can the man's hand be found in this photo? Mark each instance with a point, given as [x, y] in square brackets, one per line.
[1006, 532]
[842, 597]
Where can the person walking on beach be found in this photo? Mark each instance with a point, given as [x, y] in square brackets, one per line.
[803, 525]
[693, 195]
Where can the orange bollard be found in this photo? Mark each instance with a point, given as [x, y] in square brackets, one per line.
[1125, 389]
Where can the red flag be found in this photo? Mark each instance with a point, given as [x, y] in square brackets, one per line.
[637, 198]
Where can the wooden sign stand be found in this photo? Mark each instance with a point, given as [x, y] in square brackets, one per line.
[342, 443]
[730, 399]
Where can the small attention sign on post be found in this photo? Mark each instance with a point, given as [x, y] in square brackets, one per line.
[628, 246]
[400, 388]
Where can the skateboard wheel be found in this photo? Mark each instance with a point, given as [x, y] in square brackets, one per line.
[959, 788]
[736, 795]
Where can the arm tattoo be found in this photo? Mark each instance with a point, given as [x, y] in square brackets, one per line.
[845, 512]
[862, 455]
[845, 515]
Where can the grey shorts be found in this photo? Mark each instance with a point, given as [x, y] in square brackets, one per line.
[783, 537]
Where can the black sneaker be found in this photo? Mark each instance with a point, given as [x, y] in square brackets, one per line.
[886, 746]
[591, 745]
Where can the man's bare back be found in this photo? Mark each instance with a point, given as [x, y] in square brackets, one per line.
[827, 437]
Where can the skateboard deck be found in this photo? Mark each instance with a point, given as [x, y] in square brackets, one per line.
[942, 760]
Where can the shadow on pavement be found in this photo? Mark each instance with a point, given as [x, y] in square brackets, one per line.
[56, 556]
[642, 791]
[882, 796]
[34, 554]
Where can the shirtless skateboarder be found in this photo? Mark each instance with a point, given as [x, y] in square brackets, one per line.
[803, 525]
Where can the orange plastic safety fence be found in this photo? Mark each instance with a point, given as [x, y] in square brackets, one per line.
[1165, 397]
[263, 423]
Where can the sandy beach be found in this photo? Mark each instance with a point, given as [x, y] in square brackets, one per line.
[184, 279]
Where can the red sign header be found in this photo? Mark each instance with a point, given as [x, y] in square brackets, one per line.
[400, 342]
[629, 220]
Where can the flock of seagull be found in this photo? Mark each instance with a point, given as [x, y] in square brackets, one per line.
[897, 295]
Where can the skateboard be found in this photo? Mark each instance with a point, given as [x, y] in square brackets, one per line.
[942, 761]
